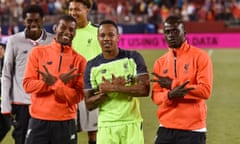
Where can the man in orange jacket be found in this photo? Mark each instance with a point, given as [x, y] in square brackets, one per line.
[183, 80]
[54, 78]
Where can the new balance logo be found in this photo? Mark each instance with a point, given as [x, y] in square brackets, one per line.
[28, 132]
[186, 67]
[73, 136]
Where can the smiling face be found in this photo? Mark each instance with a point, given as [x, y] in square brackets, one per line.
[174, 33]
[65, 31]
[79, 11]
[108, 38]
[33, 23]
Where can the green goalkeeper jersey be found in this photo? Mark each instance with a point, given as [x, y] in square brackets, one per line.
[85, 42]
[119, 108]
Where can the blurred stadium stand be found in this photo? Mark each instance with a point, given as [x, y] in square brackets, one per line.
[135, 16]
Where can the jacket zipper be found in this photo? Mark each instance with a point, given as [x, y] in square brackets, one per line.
[60, 59]
[175, 64]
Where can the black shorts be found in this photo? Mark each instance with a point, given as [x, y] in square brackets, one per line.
[174, 136]
[51, 132]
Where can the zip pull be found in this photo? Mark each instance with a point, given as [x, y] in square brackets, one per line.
[60, 58]
[175, 64]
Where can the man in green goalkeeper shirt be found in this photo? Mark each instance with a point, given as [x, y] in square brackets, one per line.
[85, 42]
[113, 81]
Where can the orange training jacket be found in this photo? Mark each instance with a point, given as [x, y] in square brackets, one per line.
[182, 64]
[59, 101]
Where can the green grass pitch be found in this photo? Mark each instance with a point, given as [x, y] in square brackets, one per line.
[223, 121]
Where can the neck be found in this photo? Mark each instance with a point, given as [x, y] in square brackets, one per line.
[34, 36]
[82, 24]
[111, 54]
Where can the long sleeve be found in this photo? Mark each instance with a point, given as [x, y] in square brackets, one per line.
[32, 82]
[58, 101]
[7, 78]
[204, 79]
[159, 95]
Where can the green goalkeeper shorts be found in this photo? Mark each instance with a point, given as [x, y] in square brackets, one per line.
[131, 133]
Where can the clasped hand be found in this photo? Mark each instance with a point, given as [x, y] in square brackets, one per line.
[113, 85]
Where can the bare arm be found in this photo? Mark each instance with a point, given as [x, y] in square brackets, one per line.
[93, 98]
[139, 88]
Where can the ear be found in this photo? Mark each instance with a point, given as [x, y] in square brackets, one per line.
[54, 28]
[44, 19]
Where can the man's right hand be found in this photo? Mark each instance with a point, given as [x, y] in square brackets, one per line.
[47, 77]
[93, 98]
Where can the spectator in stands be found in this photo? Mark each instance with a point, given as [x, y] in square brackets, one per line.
[15, 101]
[236, 9]
[151, 26]
[58, 7]
[51, 7]
[85, 43]
[12, 29]
[2, 39]
[164, 12]
[133, 11]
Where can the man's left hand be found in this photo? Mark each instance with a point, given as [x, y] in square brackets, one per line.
[66, 77]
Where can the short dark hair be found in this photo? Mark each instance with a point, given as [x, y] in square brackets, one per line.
[32, 9]
[3, 45]
[109, 22]
[173, 18]
[87, 3]
[67, 18]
